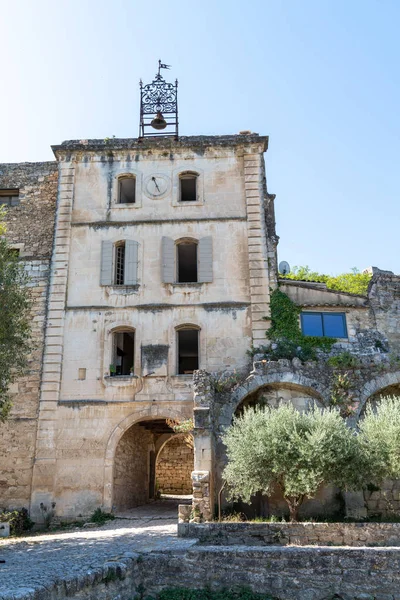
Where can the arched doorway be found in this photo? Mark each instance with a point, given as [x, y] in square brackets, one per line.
[175, 463]
[145, 446]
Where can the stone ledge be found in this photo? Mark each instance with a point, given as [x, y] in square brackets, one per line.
[296, 534]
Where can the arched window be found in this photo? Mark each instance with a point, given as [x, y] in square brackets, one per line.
[127, 189]
[188, 187]
[186, 260]
[119, 263]
[122, 352]
[188, 349]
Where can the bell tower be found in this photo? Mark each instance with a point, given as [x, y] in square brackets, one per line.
[159, 107]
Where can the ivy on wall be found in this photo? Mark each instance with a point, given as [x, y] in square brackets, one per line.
[287, 340]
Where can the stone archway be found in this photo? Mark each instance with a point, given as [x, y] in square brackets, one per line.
[284, 378]
[141, 434]
[267, 390]
[385, 385]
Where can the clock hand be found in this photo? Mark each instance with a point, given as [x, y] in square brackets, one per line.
[156, 184]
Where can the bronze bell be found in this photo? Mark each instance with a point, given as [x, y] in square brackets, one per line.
[159, 122]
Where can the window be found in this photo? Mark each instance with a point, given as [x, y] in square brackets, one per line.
[188, 187]
[9, 197]
[119, 264]
[126, 190]
[123, 352]
[187, 262]
[188, 351]
[324, 324]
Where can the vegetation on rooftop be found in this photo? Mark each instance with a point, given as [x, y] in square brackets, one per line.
[353, 282]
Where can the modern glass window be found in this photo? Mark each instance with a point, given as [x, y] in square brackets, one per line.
[321, 324]
[126, 190]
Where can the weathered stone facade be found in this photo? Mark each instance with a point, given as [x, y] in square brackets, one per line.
[94, 436]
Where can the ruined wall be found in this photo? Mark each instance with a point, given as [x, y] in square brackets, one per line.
[384, 298]
[174, 467]
[131, 468]
[30, 227]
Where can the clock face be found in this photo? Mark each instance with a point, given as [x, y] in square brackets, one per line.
[156, 186]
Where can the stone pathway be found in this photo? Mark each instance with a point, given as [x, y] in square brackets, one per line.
[37, 561]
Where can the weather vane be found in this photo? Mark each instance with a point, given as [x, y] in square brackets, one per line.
[159, 106]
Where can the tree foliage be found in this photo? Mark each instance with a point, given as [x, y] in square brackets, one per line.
[353, 282]
[294, 452]
[15, 327]
[380, 436]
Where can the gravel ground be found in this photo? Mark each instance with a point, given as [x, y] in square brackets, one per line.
[37, 561]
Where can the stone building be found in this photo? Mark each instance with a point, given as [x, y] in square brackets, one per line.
[152, 263]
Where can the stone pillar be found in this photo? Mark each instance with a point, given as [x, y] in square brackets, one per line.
[202, 476]
[259, 259]
[44, 468]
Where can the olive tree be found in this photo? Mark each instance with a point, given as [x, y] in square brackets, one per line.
[379, 434]
[295, 452]
[15, 327]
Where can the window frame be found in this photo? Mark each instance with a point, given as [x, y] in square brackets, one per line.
[120, 179]
[118, 330]
[176, 186]
[9, 197]
[188, 175]
[187, 327]
[116, 258]
[181, 242]
[322, 313]
[115, 204]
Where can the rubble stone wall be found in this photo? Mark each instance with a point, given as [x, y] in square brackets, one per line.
[30, 226]
[174, 467]
[298, 534]
[131, 470]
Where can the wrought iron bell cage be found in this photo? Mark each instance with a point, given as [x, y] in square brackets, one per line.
[159, 107]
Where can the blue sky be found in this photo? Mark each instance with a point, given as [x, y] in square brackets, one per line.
[321, 78]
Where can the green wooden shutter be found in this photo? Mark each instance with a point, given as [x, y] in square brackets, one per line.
[167, 260]
[106, 277]
[205, 260]
[131, 262]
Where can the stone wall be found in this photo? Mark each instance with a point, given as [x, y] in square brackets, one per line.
[384, 298]
[31, 222]
[30, 226]
[131, 468]
[289, 573]
[297, 534]
[174, 467]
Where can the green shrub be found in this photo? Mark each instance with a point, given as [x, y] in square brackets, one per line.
[19, 520]
[353, 283]
[99, 517]
[344, 360]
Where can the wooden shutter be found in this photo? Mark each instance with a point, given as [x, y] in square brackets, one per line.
[205, 260]
[167, 260]
[106, 277]
[131, 262]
